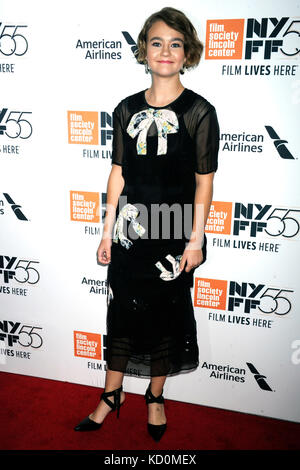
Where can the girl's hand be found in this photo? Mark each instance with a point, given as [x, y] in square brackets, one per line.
[192, 259]
[104, 251]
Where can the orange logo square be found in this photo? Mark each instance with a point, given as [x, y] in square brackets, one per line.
[87, 345]
[84, 206]
[210, 293]
[224, 39]
[83, 127]
[219, 218]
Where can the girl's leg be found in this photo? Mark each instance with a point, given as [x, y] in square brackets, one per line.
[156, 412]
[113, 381]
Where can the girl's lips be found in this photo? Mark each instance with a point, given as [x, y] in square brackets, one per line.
[165, 61]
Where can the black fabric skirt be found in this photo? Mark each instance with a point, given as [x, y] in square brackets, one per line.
[151, 328]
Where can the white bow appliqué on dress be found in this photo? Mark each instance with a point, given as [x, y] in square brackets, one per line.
[166, 122]
[128, 212]
[168, 275]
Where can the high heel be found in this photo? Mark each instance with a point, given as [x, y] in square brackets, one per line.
[156, 431]
[88, 424]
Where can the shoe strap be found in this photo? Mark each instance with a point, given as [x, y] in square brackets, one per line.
[116, 394]
[150, 398]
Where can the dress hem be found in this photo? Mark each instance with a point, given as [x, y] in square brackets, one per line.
[147, 376]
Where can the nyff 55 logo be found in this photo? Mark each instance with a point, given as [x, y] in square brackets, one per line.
[245, 39]
[24, 335]
[245, 297]
[251, 219]
[20, 270]
[12, 40]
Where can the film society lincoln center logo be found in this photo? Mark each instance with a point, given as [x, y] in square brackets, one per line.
[87, 345]
[224, 39]
[83, 127]
[84, 206]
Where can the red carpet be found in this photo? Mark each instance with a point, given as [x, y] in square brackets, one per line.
[39, 414]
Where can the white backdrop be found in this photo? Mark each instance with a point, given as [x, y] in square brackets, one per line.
[53, 292]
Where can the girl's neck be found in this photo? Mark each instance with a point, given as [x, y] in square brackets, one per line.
[163, 91]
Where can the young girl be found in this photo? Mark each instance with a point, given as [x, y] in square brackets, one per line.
[165, 155]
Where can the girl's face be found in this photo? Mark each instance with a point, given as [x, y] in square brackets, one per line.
[165, 50]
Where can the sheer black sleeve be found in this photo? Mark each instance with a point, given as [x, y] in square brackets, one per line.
[206, 139]
[117, 144]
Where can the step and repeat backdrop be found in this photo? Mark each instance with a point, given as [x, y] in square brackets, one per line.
[64, 66]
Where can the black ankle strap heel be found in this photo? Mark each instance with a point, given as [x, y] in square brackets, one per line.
[117, 397]
[150, 398]
[156, 431]
[88, 424]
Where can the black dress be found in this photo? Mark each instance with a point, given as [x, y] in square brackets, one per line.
[151, 328]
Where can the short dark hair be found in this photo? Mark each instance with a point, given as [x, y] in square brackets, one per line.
[177, 20]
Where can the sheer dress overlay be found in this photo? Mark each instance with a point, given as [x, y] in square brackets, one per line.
[151, 328]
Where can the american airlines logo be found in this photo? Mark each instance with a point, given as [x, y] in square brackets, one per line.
[279, 144]
[130, 41]
[260, 379]
[16, 208]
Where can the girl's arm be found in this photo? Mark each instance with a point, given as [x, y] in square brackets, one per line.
[192, 255]
[115, 186]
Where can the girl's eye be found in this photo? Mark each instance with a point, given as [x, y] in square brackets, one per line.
[174, 44]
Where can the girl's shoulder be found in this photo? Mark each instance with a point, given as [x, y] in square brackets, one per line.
[199, 103]
[131, 102]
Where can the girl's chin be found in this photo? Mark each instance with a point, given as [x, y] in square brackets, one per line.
[164, 73]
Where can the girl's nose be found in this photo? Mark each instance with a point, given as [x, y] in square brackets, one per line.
[165, 49]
